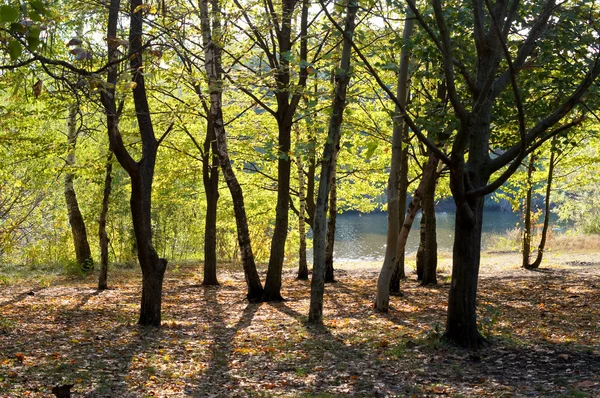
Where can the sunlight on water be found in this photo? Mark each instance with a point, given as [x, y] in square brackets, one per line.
[362, 236]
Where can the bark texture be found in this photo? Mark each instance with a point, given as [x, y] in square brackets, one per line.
[527, 219]
[302, 264]
[78, 229]
[461, 324]
[315, 314]
[429, 237]
[329, 273]
[210, 179]
[420, 263]
[102, 235]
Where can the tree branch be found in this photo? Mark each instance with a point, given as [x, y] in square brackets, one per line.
[385, 88]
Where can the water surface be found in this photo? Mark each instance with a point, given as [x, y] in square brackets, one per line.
[362, 236]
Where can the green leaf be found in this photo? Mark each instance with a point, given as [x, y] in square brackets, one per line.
[38, 6]
[33, 37]
[14, 49]
[390, 66]
[8, 13]
[371, 147]
[34, 16]
[286, 55]
[16, 27]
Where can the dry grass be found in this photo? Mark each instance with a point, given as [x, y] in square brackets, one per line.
[511, 241]
[578, 242]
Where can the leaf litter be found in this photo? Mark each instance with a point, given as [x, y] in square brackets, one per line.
[543, 329]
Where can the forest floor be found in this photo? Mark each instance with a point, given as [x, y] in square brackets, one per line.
[543, 327]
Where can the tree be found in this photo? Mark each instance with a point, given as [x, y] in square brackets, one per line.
[342, 79]
[397, 182]
[329, 273]
[78, 229]
[427, 262]
[213, 67]
[469, 176]
[102, 234]
[141, 173]
[302, 264]
[276, 45]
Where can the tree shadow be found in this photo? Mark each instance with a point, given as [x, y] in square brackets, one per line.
[22, 296]
[217, 371]
[338, 359]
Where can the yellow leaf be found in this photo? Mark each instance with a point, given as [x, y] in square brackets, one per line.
[139, 8]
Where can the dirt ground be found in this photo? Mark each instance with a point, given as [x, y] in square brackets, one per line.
[543, 327]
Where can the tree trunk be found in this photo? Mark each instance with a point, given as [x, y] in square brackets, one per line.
[429, 240]
[315, 314]
[420, 261]
[141, 172]
[329, 275]
[212, 53]
[272, 291]
[542, 245]
[527, 221]
[302, 264]
[80, 240]
[398, 179]
[310, 182]
[286, 108]
[399, 270]
[153, 267]
[461, 325]
[102, 235]
[382, 302]
[210, 178]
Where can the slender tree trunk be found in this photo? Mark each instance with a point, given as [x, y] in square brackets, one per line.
[382, 302]
[212, 51]
[272, 291]
[527, 221]
[310, 182]
[329, 274]
[399, 270]
[78, 229]
[315, 314]
[429, 242]
[210, 177]
[286, 108]
[420, 261]
[542, 245]
[398, 178]
[302, 264]
[284, 117]
[102, 235]
[461, 325]
[255, 289]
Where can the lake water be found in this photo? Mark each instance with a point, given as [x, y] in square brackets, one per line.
[362, 236]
